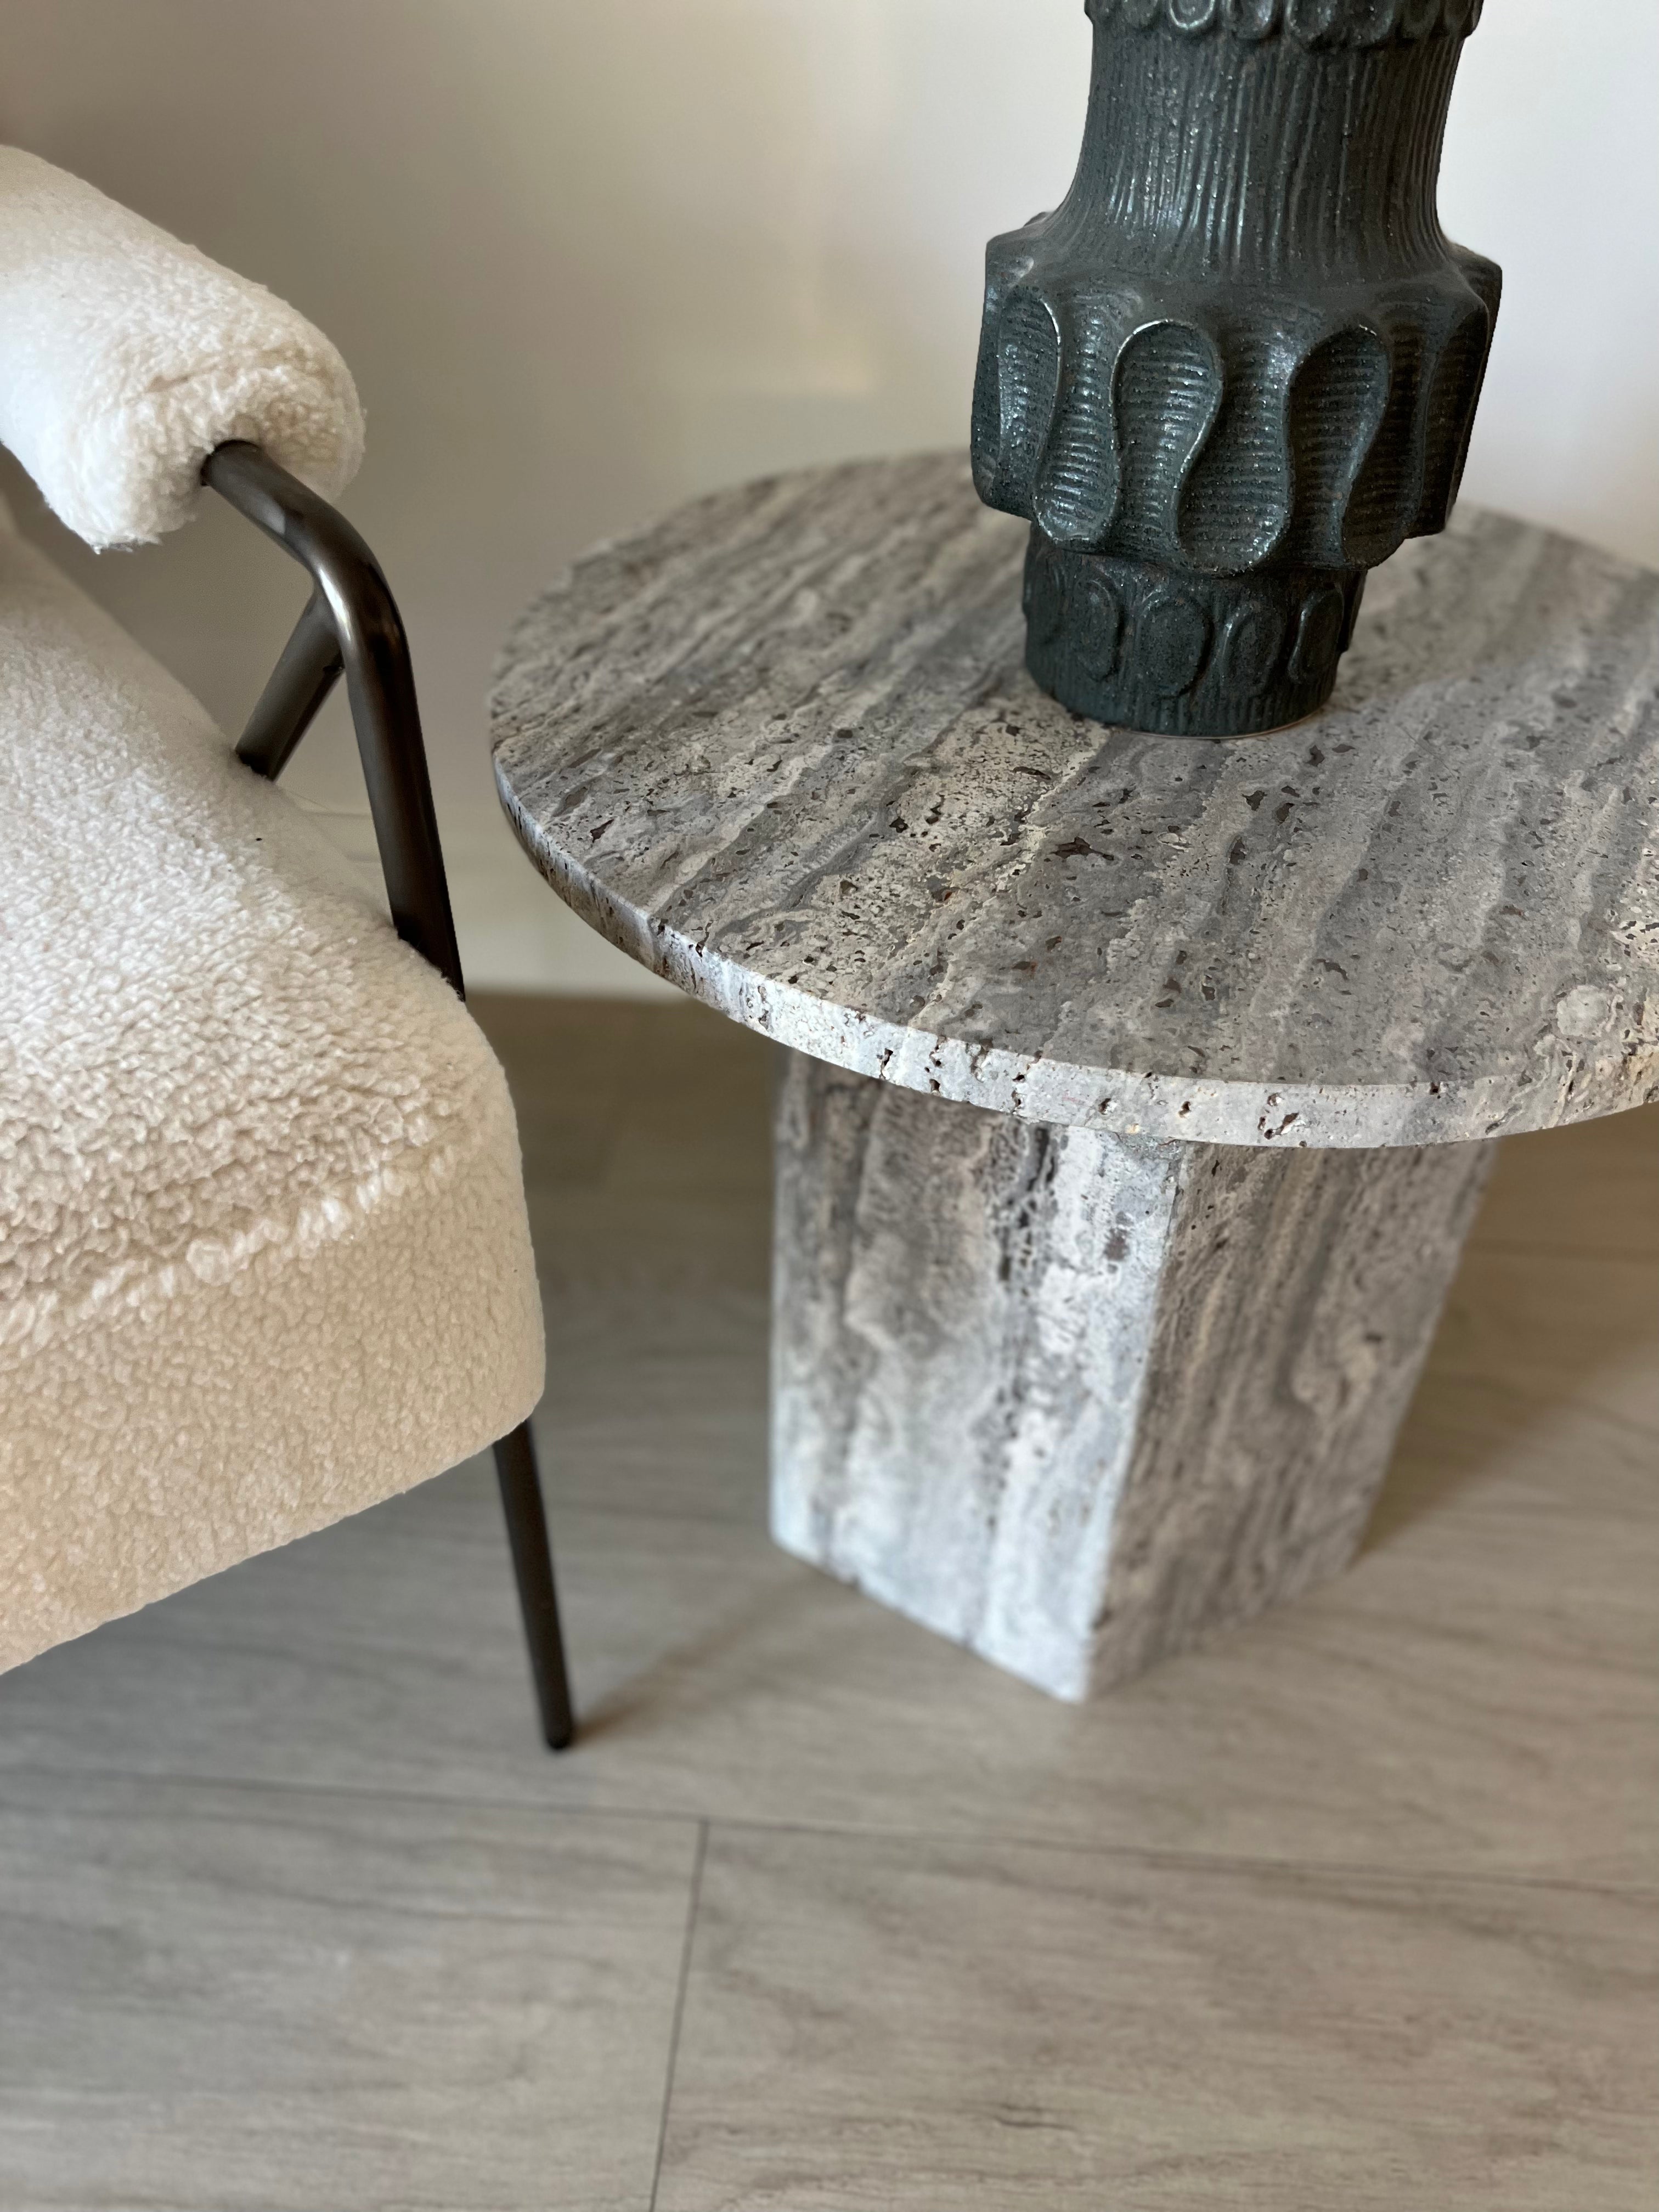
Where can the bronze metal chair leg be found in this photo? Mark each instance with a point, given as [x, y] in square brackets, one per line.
[351, 627]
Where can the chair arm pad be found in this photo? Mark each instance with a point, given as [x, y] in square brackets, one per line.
[127, 357]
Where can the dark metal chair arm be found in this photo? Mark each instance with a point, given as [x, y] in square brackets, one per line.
[350, 624]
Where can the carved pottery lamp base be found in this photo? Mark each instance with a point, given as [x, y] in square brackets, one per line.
[1126, 642]
[1238, 367]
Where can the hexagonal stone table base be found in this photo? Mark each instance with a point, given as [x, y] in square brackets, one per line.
[1074, 1399]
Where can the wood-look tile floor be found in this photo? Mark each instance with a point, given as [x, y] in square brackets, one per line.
[1358, 1907]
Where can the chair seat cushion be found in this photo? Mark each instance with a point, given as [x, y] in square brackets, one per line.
[264, 1255]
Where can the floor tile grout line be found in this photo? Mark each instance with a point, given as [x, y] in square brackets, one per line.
[1164, 1858]
[692, 1905]
[1170, 1860]
[1543, 1403]
[1529, 1248]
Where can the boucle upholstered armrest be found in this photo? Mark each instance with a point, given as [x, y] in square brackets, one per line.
[127, 357]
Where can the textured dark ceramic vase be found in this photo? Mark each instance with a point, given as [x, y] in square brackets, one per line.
[1239, 366]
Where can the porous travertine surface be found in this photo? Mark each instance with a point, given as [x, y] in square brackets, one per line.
[783, 748]
[1077, 1401]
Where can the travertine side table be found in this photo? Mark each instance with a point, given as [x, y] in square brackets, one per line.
[1141, 1089]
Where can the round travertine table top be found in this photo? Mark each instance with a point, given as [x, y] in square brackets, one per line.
[782, 749]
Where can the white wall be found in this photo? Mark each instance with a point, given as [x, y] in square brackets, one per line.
[588, 256]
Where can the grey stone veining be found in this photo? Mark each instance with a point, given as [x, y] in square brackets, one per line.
[1072, 1394]
[781, 749]
[1076, 1399]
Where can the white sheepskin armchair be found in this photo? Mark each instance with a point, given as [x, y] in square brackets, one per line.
[264, 1253]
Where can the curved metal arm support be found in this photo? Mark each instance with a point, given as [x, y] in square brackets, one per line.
[300, 684]
[351, 623]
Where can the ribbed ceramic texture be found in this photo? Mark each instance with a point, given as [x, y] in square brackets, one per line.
[1242, 346]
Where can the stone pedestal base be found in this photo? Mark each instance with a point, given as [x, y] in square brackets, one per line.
[1075, 1399]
